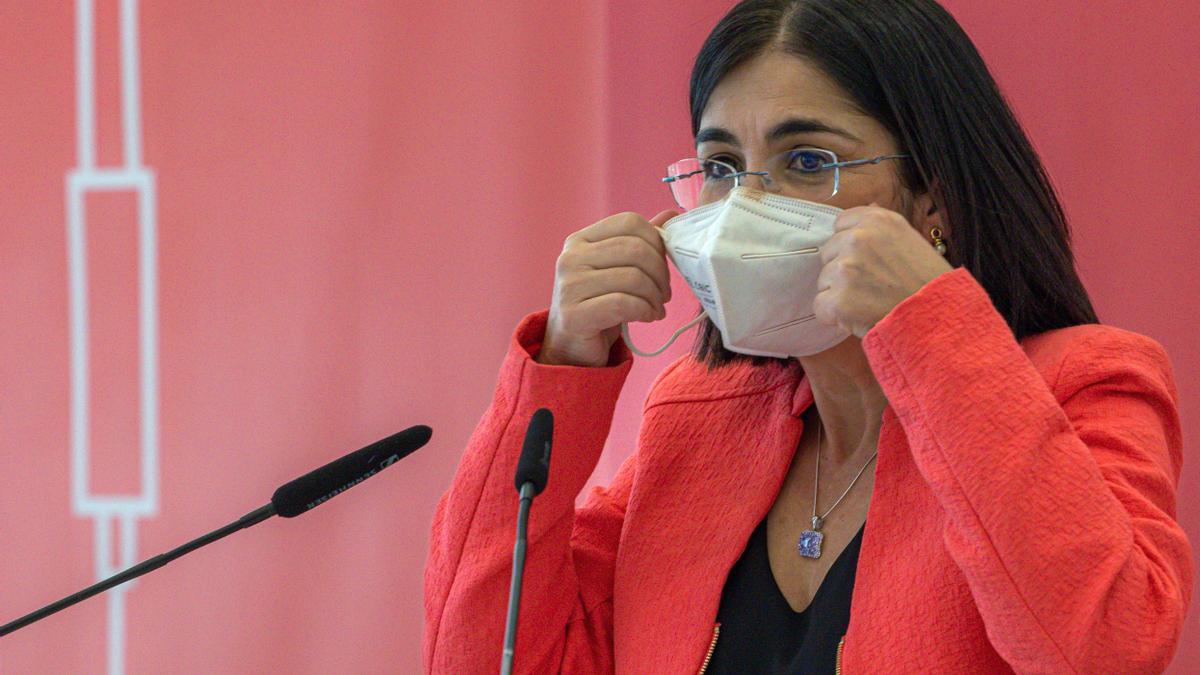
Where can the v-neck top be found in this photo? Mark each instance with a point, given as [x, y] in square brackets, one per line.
[760, 633]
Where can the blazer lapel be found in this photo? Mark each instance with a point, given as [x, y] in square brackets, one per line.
[708, 472]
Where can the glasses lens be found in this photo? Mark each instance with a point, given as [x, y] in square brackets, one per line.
[694, 182]
[806, 173]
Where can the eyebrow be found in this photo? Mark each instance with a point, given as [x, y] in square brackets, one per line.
[788, 127]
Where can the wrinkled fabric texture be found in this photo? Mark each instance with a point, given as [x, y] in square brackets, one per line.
[1022, 518]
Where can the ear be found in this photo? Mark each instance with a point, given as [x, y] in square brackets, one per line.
[926, 213]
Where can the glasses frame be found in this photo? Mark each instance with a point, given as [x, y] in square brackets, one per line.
[836, 165]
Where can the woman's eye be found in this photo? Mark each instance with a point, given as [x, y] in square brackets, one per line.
[808, 161]
[714, 170]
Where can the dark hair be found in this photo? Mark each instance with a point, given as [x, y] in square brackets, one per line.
[909, 65]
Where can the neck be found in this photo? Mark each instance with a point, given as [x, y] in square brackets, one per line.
[848, 400]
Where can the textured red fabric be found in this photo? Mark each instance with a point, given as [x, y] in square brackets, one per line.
[1022, 519]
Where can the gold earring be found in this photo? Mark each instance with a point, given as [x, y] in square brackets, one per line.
[938, 243]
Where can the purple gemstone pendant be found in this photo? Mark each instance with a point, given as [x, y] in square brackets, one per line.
[810, 540]
[810, 544]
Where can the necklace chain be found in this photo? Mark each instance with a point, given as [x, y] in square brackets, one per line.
[818, 520]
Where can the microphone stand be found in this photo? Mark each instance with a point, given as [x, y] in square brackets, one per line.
[514, 590]
[252, 518]
[290, 500]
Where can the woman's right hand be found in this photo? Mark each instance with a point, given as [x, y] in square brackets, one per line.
[609, 273]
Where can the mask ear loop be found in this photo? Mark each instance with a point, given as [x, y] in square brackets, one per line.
[674, 336]
[629, 341]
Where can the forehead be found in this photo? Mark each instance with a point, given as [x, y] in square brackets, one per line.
[774, 86]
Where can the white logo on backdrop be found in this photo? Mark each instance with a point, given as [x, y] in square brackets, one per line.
[115, 515]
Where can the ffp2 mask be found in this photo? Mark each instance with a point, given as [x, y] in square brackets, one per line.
[752, 260]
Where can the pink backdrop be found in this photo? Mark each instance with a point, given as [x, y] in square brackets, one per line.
[355, 203]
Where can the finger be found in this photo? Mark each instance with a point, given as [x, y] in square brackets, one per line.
[662, 218]
[627, 250]
[850, 218]
[613, 309]
[825, 278]
[589, 284]
[623, 224]
[833, 248]
[823, 308]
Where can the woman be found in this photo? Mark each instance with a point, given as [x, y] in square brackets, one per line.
[939, 463]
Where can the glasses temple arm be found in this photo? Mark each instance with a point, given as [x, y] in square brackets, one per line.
[672, 179]
[859, 162]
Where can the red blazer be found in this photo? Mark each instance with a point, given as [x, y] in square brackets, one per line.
[1022, 519]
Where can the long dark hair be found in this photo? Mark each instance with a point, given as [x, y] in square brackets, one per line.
[909, 65]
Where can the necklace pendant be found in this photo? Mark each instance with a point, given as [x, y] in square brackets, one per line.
[810, 540]
[810, 543]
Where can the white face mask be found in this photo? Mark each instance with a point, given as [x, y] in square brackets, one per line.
[752, 260]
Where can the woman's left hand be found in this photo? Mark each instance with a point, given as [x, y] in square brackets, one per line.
[874, 261]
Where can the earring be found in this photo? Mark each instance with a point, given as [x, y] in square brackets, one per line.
[938, 243]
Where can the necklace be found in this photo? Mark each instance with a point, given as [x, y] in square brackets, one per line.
[810, 540]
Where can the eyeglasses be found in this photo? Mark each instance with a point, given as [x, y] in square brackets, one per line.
[813, 174]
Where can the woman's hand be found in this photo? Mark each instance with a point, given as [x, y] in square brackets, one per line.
[609, 273]
[874, 261]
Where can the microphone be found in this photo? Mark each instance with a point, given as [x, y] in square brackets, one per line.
[320, 485]
[533, 468]
[290, 500]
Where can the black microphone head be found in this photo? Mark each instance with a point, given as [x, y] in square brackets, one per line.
[321, 485]
[534, 465]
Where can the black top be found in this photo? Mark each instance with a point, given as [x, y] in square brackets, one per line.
[759, 631]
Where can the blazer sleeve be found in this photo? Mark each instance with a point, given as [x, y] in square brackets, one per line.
[1059, 497]
[565, 622]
